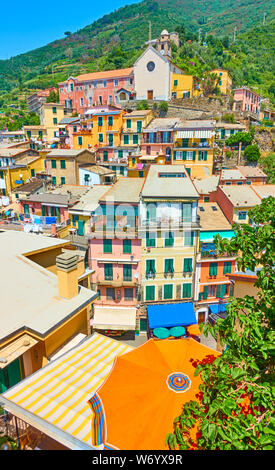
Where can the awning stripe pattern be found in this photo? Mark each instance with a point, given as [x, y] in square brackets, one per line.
[59, 392]
[195, 134]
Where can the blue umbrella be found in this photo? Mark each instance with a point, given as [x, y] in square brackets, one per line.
[177, 331]
[161, 333]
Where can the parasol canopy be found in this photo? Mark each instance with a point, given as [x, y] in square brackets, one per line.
[194, 330]
[177, 331]
[161, 333]
[135, 407]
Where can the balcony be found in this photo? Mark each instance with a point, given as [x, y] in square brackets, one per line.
[172, 222]
[206, 255]
[157, 140]
[168, 275]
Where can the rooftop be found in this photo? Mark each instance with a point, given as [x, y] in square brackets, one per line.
[252, 171]
[29, 292]
[99, 170]
[212, 217]
[241, 196]
[106, 74]
[160, 124]
[74, 190]
[12, 152]
[229, 125]
[264, 190]
[232, 175]
[172, 187]
[66, 153]
[206, 185]
[137, 113]
[29, 187]
[89, 201]
[124, 190]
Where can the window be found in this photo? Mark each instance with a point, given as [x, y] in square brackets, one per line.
[62, 164]
[111, 139]
[116, 82]
[62, 180]
[169, 239]
[80, 140]
[104, 84]
[26, 209]
[54, 180]
[110, 120]
[190, 155]
[128, 123]
[55, 121]
[100, 121]
[187, 265]
[54, 109]
[139, 126]
[120, 154]
[150, 292]
[126, 139]
[127, 272]
[150, 239]
[206, 199]
[74, 128]
[175, 82]
[100, 137]
[168, 266]
[107, 246]
[71, 87]
[40, 134]
[81, 102]
[150, 66]
[143, 324]
[213, 269]
[202, 155]
[227, 267]
[53, 163]
[127, 246]
[105, 155]
[242, 215]
[108, 272]
[168, 291]
[32, 172]
[150, 267]
[135, 139]
[110, 293]
[110, 99]
[186, 290]
[128, 293]
[189, 238]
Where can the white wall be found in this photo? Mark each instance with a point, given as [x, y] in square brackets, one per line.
[158, 80]
[94, 177]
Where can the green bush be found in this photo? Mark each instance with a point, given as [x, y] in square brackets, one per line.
[143, 105]
[252, 153]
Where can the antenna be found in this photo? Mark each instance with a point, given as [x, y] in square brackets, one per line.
[234, 37]
[150, 30]
[199, 35]
[264, 17]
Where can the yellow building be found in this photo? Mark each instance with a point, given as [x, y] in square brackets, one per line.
[50, 115]
[102, 129]
[184, 86]
[36, 134]
[225, 80]
[133, 124]
[170, 234]
[15, 175]
[63, 164]
[54, 308]
[194, 147]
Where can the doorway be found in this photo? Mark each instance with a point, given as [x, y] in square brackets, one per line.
[150, 94]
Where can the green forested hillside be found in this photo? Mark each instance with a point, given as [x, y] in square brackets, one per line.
[117, 39]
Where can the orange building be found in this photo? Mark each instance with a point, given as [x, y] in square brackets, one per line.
[212, 285]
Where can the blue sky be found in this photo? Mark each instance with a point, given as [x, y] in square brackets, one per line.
[28, 24]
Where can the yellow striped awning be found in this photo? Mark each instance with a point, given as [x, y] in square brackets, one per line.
[59, 392]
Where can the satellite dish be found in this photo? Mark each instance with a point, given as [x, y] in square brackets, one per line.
[136, 275]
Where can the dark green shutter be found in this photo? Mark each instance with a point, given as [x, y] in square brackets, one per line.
[127, 272]
[150, 293]
[108, 272]
[127, 246]
[107, 246]
[186, 290]
[188, 265]
[213, 269]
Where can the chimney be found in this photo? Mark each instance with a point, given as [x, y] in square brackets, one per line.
[67, 275]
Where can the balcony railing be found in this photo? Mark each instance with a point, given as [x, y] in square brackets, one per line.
[158, 140]
[214, 254]
[170, 221]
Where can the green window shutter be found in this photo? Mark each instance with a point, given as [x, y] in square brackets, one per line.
[127, 272]
[53, 163]
[107, 246]
[128, 123]
[200, 155]
[200, 295]
[110, 120]
[54, 180]
[189, 239]
[139, 126]
[26, 209]
[54, 110]
[227, 267]
[186, 290]
[150, 241]
[105, 155]
[63, 164]
[223, 290]
[231, 290]
[174, 155]
[32, 172]
[127, 246]
[187, 212]
[120, 154]
[111, 139]
[205, 293]
[135, 139]
[100, 121]
[55, 121]
[62, 180]
[100, 137]
[52, 211]
[169, 265]
[188, 265]
[169, 241]
[150, 292]
[168, 291]
[80, 140]
[43, 211]
[218, 291]
[213, 269]
[194, 155]
[175, 82]
[184, 153]
[108, 272]
[126, 139]
[150, 266]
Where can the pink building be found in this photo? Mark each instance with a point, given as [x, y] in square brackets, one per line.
[158, 137]
[98, 88]
[246, 100]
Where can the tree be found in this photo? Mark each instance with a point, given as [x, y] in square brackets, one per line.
[163, 108]
[252, 153]
[209, 83]
[53, 97]
[239, 137]
[143, 104]
[268, 165]
[236, 404]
